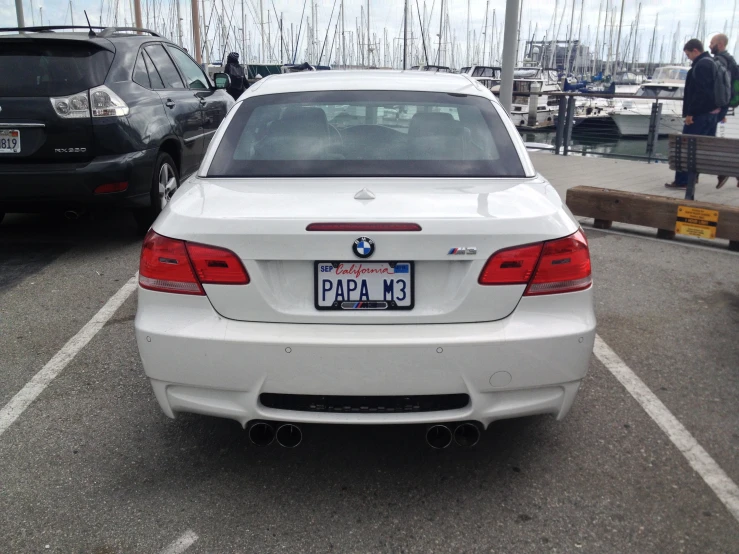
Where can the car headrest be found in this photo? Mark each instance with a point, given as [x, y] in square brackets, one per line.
[305, 120]
[433, 124]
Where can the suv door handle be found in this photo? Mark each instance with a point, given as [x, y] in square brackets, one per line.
[169, 103]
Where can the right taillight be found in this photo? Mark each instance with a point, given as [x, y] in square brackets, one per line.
[552, 267]
[170, 265]
[564, 266]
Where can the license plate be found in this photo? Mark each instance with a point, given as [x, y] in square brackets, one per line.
[10, 141]
[364, 285]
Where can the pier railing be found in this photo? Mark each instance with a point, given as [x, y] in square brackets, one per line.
[599, 124]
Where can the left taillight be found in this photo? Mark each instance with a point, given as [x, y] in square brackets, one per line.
[551, 267]
[564, 266]
[170, 265]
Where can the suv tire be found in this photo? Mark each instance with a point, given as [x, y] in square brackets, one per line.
[164, 183]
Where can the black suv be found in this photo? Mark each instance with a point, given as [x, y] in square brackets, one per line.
[117, 116]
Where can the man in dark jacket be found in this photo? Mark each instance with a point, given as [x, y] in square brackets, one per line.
[238, 80]
[699, 106]
[718, 46]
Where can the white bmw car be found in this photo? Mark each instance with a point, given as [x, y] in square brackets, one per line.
[366, 248]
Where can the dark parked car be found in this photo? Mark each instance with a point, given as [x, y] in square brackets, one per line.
[117, 116]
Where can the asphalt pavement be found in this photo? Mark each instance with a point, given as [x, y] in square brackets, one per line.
[92, 465]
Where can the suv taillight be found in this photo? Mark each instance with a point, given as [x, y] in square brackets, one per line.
[72, 107]
[552, 267]
[97, 102]
[169, 265]
[106, 103]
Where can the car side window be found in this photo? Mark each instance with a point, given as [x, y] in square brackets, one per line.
[165, 67]
[140, 75]
[154, 77]
[195, 79]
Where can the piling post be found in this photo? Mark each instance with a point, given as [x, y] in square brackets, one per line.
[654, 121]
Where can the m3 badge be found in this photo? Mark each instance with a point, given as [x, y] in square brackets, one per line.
[469, 250]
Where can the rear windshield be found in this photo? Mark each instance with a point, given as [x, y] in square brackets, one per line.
[366, 134]
[49, 68]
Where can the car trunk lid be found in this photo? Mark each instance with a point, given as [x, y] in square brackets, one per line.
[463, 222]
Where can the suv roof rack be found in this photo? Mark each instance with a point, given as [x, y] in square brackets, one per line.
[46, 28]
[110, 31]
[105, 31]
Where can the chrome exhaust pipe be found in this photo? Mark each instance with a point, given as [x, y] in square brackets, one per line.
[439, 436]
[467, 434]
[261, 433]
[289, 435]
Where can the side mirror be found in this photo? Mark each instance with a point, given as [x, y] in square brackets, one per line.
[222, 80]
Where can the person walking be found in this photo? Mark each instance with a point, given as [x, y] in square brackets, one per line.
[718, 46]
[238, 80]
[699, 106]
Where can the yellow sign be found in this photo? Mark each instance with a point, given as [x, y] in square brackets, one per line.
[696, 222]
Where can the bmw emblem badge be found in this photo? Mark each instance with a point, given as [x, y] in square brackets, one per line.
[364, 247]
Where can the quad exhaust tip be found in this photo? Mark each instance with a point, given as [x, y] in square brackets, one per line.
[467, 434]
[72, 215]
[289, 435]
[439, 436]
[262, 434]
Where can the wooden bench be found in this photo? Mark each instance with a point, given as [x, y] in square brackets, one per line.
[700, 219]
[707, 155]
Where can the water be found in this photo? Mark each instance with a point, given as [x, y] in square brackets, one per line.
[600, 138]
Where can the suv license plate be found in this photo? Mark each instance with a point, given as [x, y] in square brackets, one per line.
[10, 141]
[364, 285]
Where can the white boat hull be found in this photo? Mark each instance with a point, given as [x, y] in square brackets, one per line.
[636, 124]
[545, 116]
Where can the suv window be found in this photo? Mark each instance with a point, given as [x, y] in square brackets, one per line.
[140, 75]
[154, 77]
[194, 77]
[164, 66]
[50, 68]
[366, 134]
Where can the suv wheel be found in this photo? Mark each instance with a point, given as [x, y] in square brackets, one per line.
[165, 182]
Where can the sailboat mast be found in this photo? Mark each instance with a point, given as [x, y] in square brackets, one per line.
[579, 35]
[653, 46]
[485, 36]
[597, 36]
[569, 38]
[603, 44]
[343, 39]
[405, 35]
[492, 38]
[369, 49]
[618, 39]
[636, 35]
[441, 30]
[467, 51]
[261, 31]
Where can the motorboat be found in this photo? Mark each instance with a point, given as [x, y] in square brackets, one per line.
[526, 80]
[666, 87]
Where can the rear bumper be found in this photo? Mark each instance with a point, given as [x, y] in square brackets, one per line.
[35, 187]
[529, 363]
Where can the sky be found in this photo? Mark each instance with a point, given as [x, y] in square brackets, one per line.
[386, 15]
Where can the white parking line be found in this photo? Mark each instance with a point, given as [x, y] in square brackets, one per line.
[18, 404]
[715, 477]
[181, 544]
